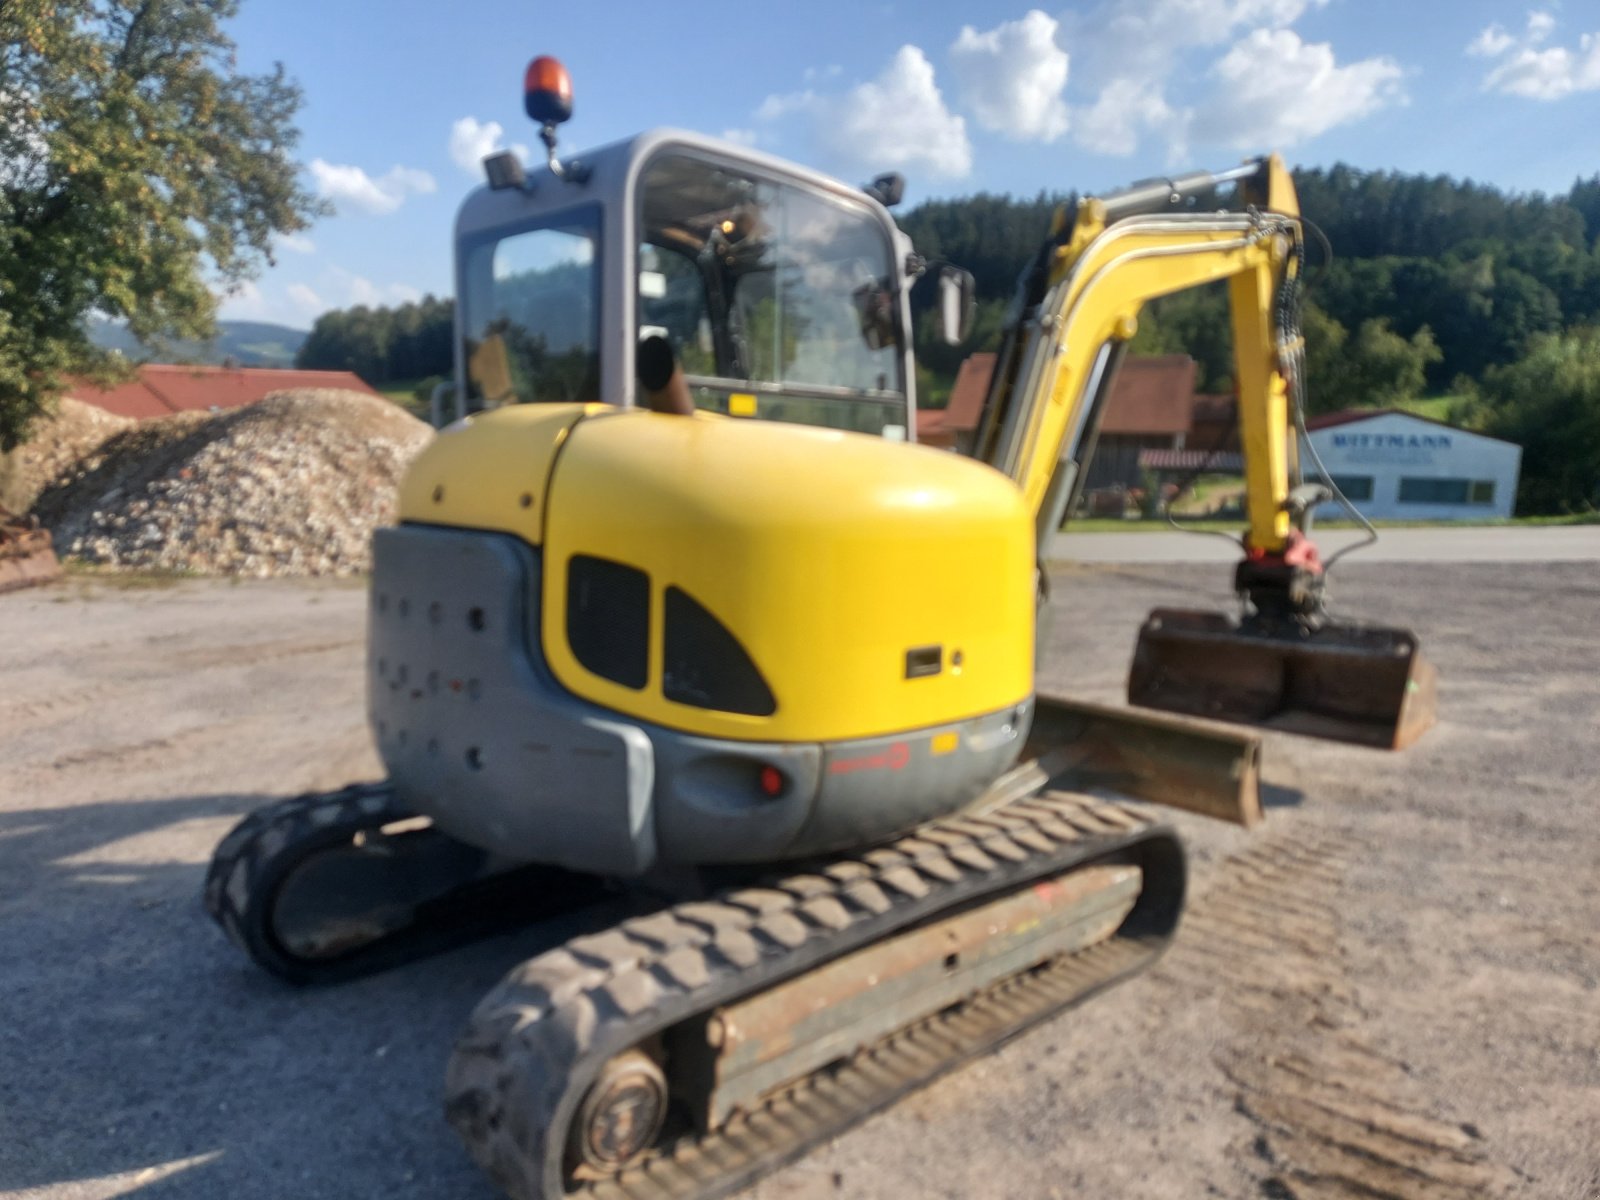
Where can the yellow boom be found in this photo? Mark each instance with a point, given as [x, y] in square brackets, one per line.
[1097, 277]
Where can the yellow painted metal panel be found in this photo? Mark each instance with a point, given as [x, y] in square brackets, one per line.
[490, 470]
[1263, 408]
[828, 555]
[742, 404]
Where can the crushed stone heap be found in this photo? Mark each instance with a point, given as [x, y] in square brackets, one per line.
[291, 485]
[74, 431]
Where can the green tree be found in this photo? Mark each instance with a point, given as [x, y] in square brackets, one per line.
[1548, 402]
[1371, 369]
[1325, 341]
[1196, 323]
[137, 170]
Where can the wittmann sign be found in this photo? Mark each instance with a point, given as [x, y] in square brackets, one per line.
[1411, 448]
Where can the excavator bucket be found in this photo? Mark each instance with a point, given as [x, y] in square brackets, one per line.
[1367, 685]
[26, 557]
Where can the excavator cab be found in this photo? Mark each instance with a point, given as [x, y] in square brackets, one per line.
[781, 294]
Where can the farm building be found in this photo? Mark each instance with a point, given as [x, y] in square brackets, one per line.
[159, 390]
[1149, 410]
[1398, 466]
[953, 426]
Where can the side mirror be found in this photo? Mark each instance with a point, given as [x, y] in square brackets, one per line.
[887, 189]
[958, 300]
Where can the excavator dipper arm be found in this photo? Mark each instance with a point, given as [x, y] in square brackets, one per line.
[1285, 665]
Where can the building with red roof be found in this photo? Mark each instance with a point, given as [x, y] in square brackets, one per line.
[1151, 407]
[952, 426]
[158, 390]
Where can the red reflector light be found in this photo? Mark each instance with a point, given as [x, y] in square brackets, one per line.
[547, 91]
[772, 782]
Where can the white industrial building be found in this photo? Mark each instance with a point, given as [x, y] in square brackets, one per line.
[1396, 466]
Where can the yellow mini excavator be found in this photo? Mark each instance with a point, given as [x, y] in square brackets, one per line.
[675, 617]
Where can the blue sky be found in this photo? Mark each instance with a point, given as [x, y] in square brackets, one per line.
[404, 96]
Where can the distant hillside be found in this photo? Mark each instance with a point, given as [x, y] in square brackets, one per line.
[246, 343]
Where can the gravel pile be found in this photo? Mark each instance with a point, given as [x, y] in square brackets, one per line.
[291, 485]
[75, 431]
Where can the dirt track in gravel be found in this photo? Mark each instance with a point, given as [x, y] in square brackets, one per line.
[1394, 989]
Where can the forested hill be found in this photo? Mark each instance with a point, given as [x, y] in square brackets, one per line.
[1430, 279]
[1434, 287]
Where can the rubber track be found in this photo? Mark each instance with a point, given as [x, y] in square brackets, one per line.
[248, 865]
[535, 1043]
[264, 850]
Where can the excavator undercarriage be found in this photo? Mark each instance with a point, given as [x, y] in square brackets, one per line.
[906, 960]
[712, 1036]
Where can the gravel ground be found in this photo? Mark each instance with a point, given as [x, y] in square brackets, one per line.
[1392, 989]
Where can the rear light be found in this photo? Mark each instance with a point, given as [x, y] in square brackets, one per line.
[772, 782]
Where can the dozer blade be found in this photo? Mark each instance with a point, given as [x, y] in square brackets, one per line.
[27, 570]
[25, 554]
[1367, 685]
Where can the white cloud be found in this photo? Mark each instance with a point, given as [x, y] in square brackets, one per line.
[351, 185]
[1527, 70]
[1277, 91]
[776, 107]
[357, 289]
[299, 243]
[1492, 42]
[898, 119]
[471, 142]
[1141, 39]
[1012, 77]
[300, 303]
[1125, 52]
[243, 301]
[740, 137]
[1127, 109]
[305, 298]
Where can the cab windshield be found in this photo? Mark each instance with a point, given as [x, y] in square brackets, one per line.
[779, 302]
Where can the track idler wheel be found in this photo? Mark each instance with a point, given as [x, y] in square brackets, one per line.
[621, 1115]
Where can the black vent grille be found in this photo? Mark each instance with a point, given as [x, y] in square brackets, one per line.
[705, 664]
[608, 619]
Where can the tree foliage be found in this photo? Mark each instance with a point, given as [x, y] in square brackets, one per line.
[1461, 273]
[1376, 368]
[382, 345]
[138, 169]
[1548, 402]
[1193, 323]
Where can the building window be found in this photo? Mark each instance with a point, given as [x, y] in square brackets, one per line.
[1482, 492]
[1354, 487]
[1414, 490]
